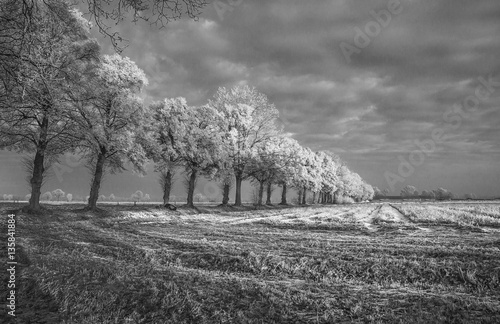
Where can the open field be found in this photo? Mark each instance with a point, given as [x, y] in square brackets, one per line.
[378, 262]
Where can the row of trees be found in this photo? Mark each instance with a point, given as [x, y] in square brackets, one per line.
[409, 192]
[64, 96]
[235, 137]
[439, 194]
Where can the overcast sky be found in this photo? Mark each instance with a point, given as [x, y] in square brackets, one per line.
[369, 98]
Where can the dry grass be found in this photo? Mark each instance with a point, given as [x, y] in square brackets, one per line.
[455, 214]
[335, 264]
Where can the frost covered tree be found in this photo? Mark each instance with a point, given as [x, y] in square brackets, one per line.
[264, 167]
[200, 149]
[249, 120]
[111, 120]
[378, 193]
[69, 197]
[470, 196]
[368, 192]
[350, 185]
[426, 194]
[409, 192]
[287, 164]
[307, 175]
[442, 194]
[329, 179]
[199, 197]
[137, 196]
[182, 135]
[58, 194]
[161, 141]
[47, 196]
[41, 57]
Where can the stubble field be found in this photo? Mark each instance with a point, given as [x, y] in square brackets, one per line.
[379, 262]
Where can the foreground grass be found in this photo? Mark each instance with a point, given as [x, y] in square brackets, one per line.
[362, 263]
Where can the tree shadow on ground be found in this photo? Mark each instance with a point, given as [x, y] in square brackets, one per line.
[33, 305]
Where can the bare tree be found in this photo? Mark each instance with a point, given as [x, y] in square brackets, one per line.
[158, 12]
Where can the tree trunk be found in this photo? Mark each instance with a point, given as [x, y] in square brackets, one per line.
[36, 180]
[269, 193]
[304, 196]
[314, 197]
[283, 195]
[261, 193]
[167, 187]
[300, 196]
[192, 181]
[225, 194]
[239, 180]
[96, 181]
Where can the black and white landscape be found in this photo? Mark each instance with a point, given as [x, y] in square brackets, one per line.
[239, 161]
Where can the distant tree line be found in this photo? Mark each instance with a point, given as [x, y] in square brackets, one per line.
[411, 192]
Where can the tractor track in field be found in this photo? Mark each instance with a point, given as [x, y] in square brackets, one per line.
[318, 216]
[368, 222]
[405, 219]
[373, 219]
[246, 220]
[400, 217]
[392, 215]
